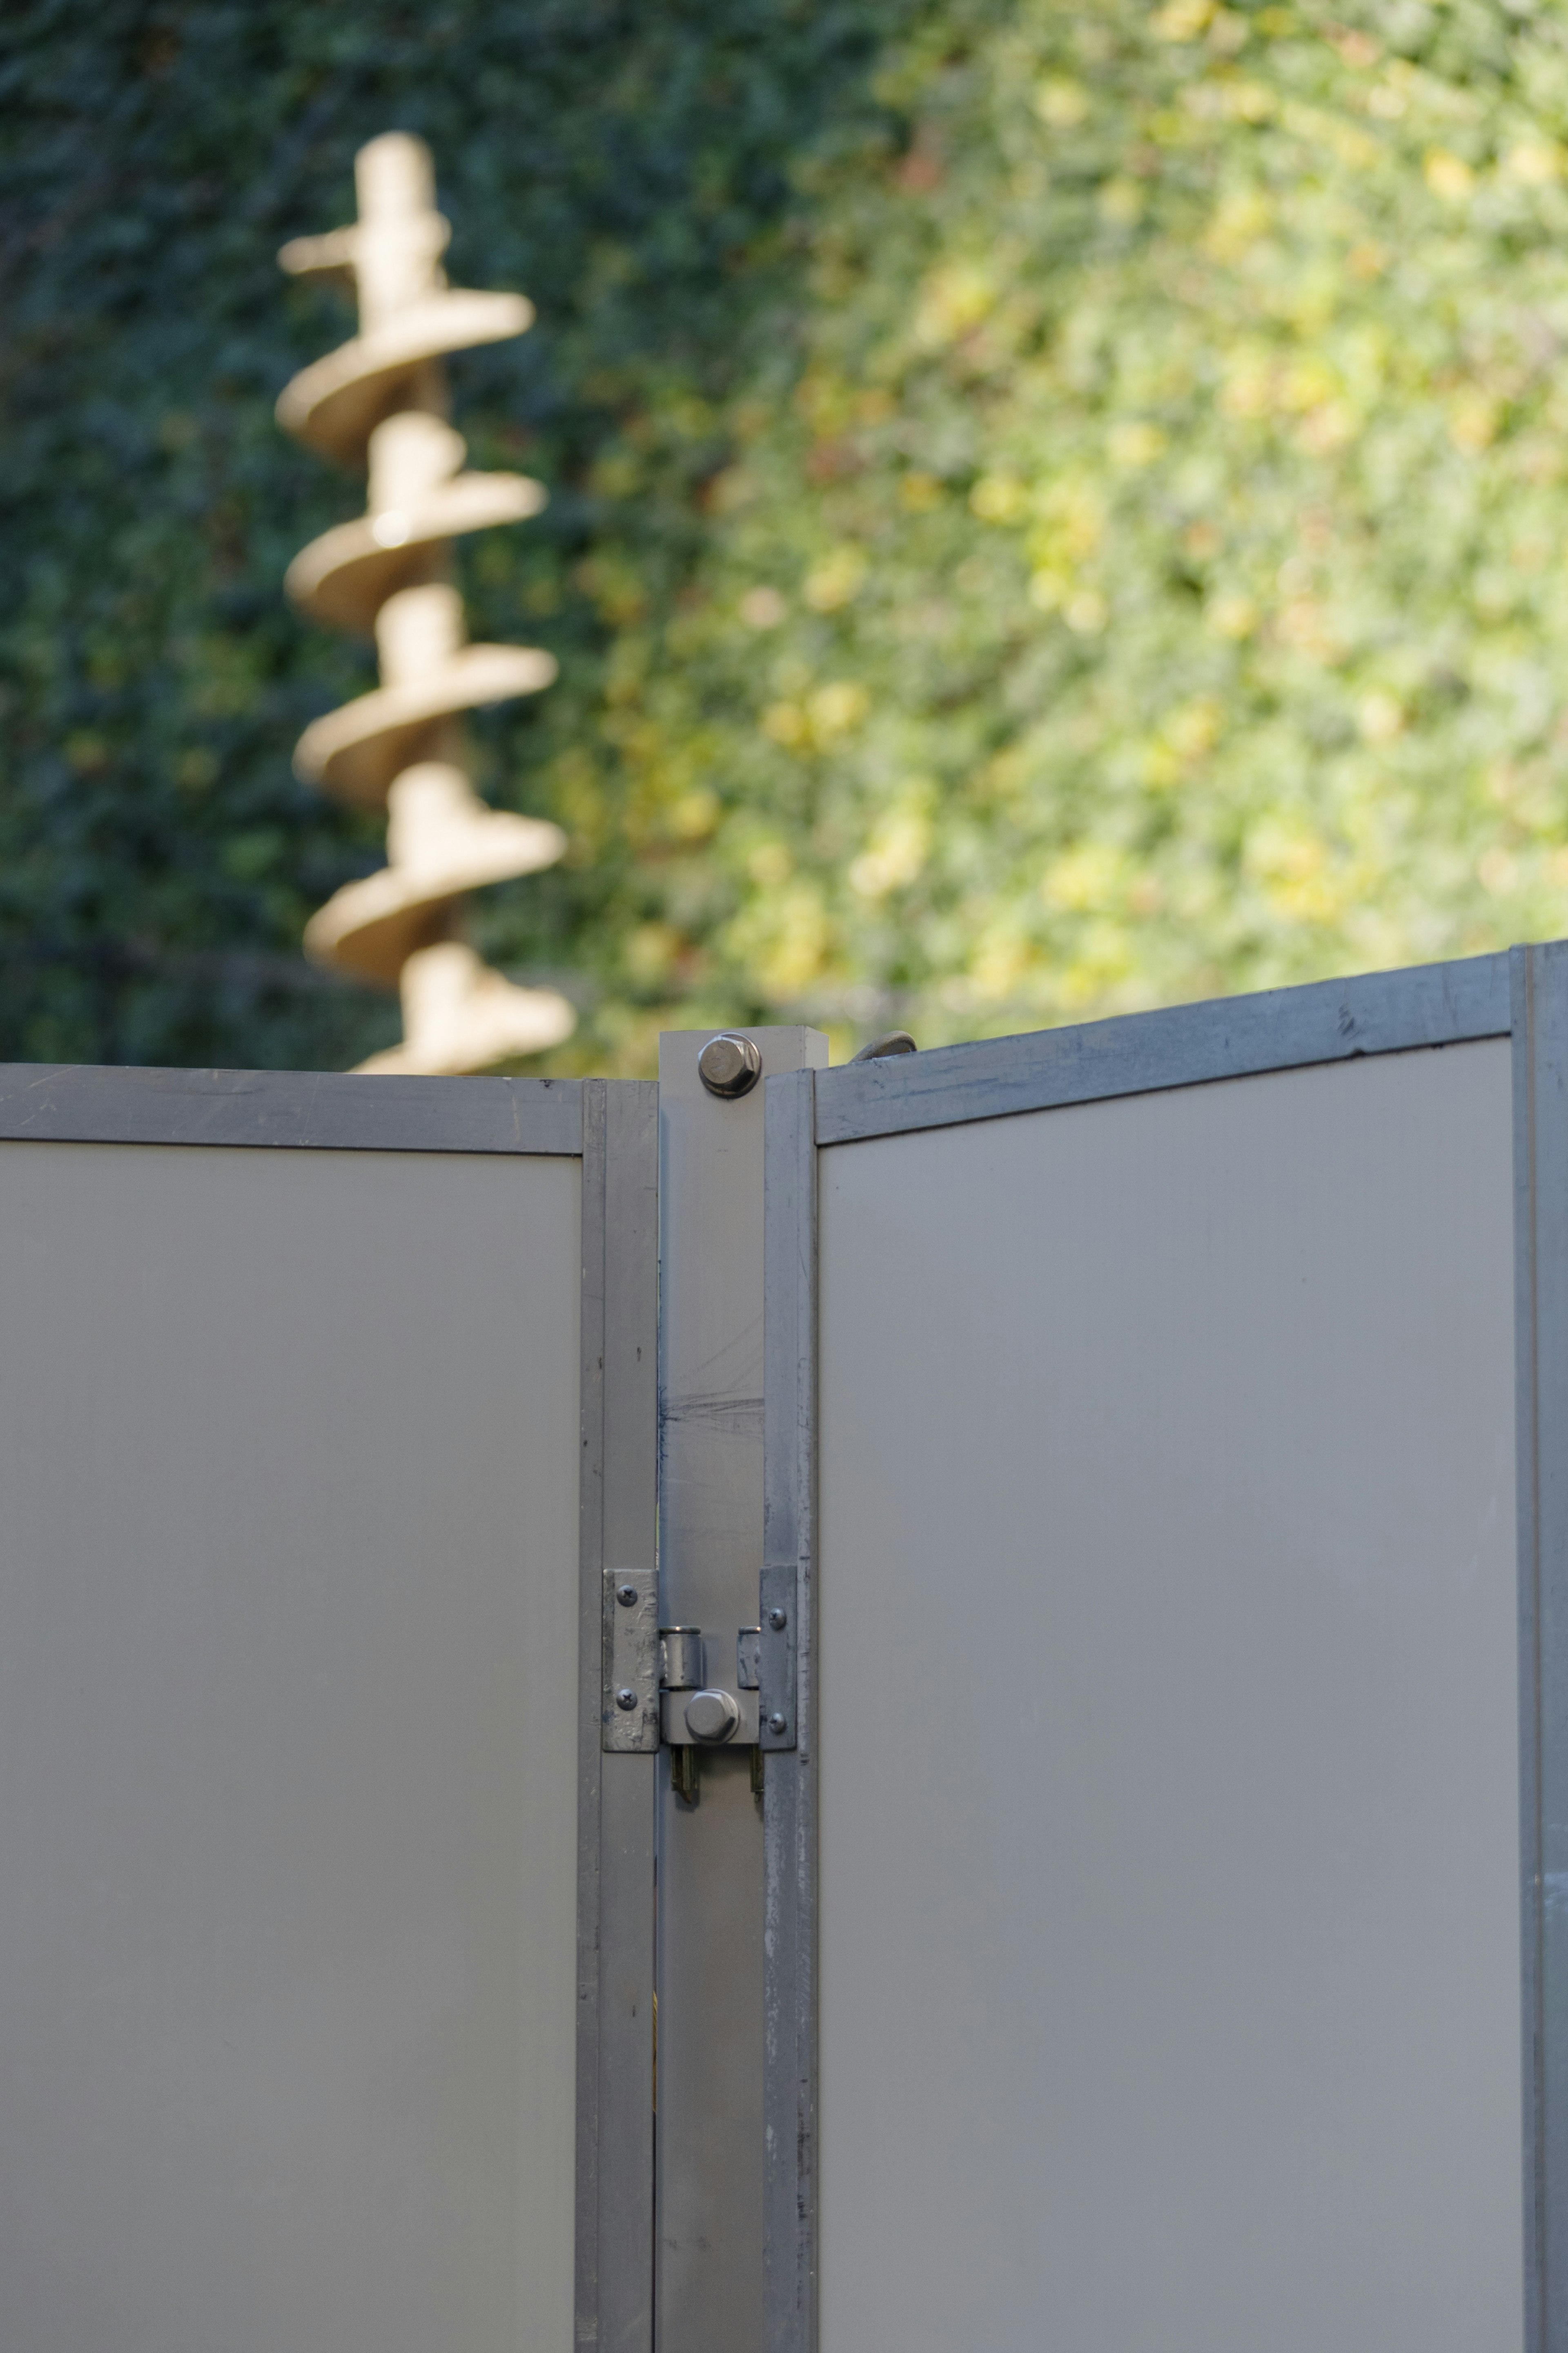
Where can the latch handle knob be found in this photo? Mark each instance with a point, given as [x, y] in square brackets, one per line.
[712, 1715]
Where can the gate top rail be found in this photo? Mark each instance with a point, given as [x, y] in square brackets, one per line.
[1181, 1046]
[325, 1110]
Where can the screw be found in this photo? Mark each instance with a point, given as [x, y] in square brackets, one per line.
[625, 1698]
[778, 1620]
[777, 1723]
[625, 1595]
[729, 1065]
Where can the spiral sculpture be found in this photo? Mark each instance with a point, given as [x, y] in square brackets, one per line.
[382, 399]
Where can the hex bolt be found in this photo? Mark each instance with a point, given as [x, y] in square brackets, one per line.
[711, 1715]
[729, 1065]
[778, 1620]
[625, 1595]
[625, 1698]
[778, 1724]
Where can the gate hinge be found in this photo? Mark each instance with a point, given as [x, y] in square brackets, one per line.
[776, 1661]
[629, 1708]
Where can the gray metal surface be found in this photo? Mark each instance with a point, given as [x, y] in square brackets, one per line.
[1187, 1045]
[615, 1794]
[629, 1700]
[327, 1110]
[711, 1546]
[1169, 1876]
[790, 1796]
[1540, 1164]
[681, 1651]
[289, 1451]
[776, 1651]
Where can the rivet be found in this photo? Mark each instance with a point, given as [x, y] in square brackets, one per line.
[778, 1620]
[625, 1698]
[777, 1723]
[729, 1065]
[625, 1595]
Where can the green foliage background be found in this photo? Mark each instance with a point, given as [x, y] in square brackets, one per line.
[1052, 509]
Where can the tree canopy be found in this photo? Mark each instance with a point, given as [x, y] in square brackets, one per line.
[1052, 509]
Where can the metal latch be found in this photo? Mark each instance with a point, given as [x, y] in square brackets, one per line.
[700, 1710]
[668, 1684]
[696, 1711]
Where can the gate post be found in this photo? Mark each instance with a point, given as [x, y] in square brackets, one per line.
[710, 2129]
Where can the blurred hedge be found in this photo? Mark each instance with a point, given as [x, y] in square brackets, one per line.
[1051, 510]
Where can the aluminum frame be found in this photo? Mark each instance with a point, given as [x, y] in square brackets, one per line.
[1524, 995]
[326, 1111]
[616, 1816]
[1539, 1027]
[710, 2167]
[790, 1777]
[612, 1128]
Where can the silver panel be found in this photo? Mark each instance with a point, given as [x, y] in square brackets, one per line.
[1185, 1045]
[711, 1549]
[289, 1608]
[1169, 1882]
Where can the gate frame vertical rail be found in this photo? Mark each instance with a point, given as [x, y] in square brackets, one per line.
[1539, 977]
[789, 1798]
[709, 2285]
[614, 2159]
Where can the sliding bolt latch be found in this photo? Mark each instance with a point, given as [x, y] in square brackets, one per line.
[698, 1711]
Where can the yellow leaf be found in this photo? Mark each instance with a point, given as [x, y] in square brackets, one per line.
[1181, 20]
[837, 708]
[1136, 444]
[1449, 175]
[786, 723]
[1536, 161]
[1061, 104]
[999, 497]
[834, 581]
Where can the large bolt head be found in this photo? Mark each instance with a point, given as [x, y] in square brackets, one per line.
[711, 1715]
[729, 1065]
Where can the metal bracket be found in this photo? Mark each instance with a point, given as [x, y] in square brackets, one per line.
[700, 1712]
[776, 1663]
[630, 1707]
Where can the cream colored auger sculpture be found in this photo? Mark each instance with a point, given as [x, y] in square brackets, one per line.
[382, 396]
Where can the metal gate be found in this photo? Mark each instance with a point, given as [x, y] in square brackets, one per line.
[1021, 1587]
[326, 1940]
[1166, 1500]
